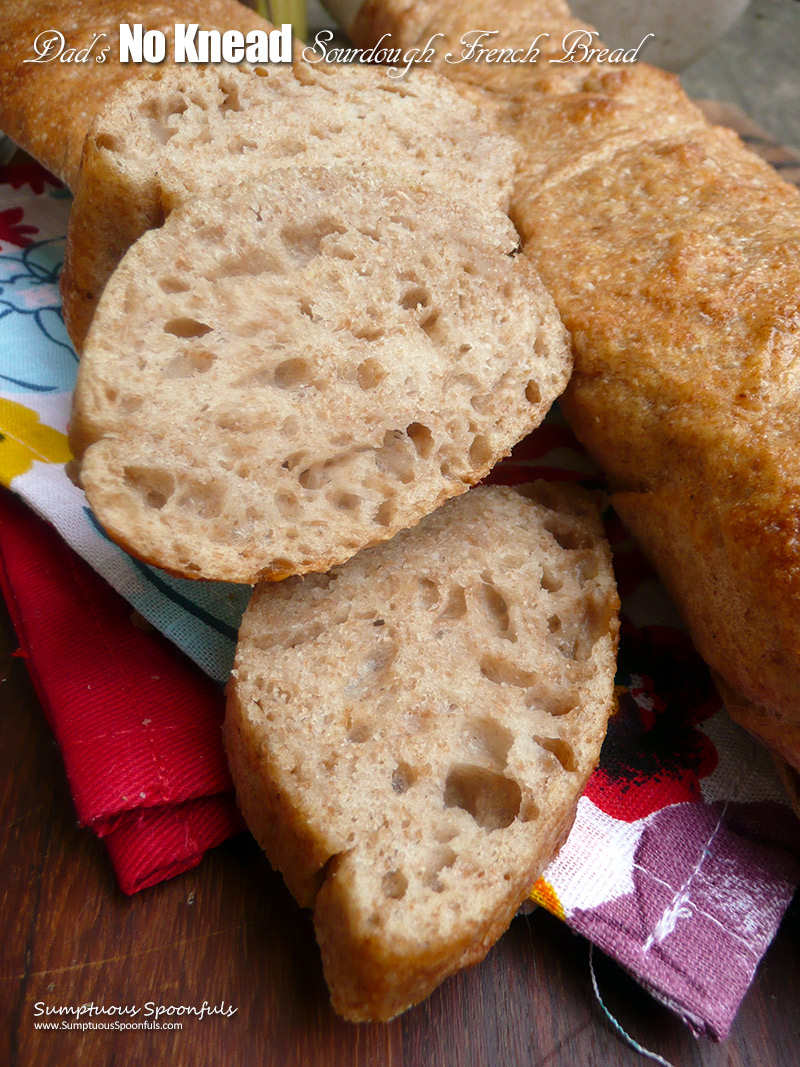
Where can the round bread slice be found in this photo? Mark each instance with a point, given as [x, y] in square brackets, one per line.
[409, 735]
[188, 130]
[275, 381]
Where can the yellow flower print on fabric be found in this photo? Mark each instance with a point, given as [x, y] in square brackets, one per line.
[544, 895]
[23, 439]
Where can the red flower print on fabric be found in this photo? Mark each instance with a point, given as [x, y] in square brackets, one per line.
[654, 755]
[22, 170]
[13, 230]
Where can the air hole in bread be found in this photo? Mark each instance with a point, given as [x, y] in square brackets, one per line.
[129, 404]
[552, 702]
[503, 672]
[372, 672]
[496, 607]
[421, 438]
[340, 252]
[394, 458]
[154, 486]
[305, 309]
[108, 141]
[418, 296]
[360, 732]
[288, 505]
[562, 750]
[292, 373]
[344, 501]
[171, 284]
[550, 582]
[158, 111]
[306, 636]
[188, 363]
[588, 567]
[242, 145]
[185, 327]
[394, 885]
[444, 832]
[403, 777]
[313, 477]
[370, 373]
[490, 798]
[480, 451]
[430, 325]
[294, 460]
[533, 394]
[456, 605]
[529, 811]
[160, 131]
[303, 242]
[429, 593]
[484, 403]
[567, 536]
[229, 419]
[384, 515]
[554, 624]
[488, 741]
[368, 333]
[230, 101]
[441, 859]
[203, 499]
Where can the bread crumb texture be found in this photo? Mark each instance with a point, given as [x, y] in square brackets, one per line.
[187, 131]
[410, 733]
[275, 381]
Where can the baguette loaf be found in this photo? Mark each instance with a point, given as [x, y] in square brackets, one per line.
[275, 380]
[48, 107]
[409, 734]
[673, 255]
[186, 131]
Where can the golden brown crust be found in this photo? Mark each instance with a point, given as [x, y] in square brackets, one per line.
[47, 108]
[371, 981]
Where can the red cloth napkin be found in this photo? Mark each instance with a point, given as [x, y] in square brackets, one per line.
[137, 723]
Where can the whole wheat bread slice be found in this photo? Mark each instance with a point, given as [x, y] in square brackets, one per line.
[186, 131]
[48, 107]
[409, 734]
[275, 381]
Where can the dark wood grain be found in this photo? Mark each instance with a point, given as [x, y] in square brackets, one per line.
[230, 932]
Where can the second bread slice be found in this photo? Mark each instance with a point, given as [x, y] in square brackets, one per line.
[275, 381]
[409, 734]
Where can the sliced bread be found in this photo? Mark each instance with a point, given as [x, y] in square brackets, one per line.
[186, 131]
[409, 734]
[47, 106]
[275, 381]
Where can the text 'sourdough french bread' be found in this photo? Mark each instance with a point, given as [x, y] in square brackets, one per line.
[673, 255]
[279, 378]
[409, 734]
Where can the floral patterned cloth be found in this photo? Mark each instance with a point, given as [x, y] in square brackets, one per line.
[684, 855]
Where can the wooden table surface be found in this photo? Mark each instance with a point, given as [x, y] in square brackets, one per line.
[228, 932]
